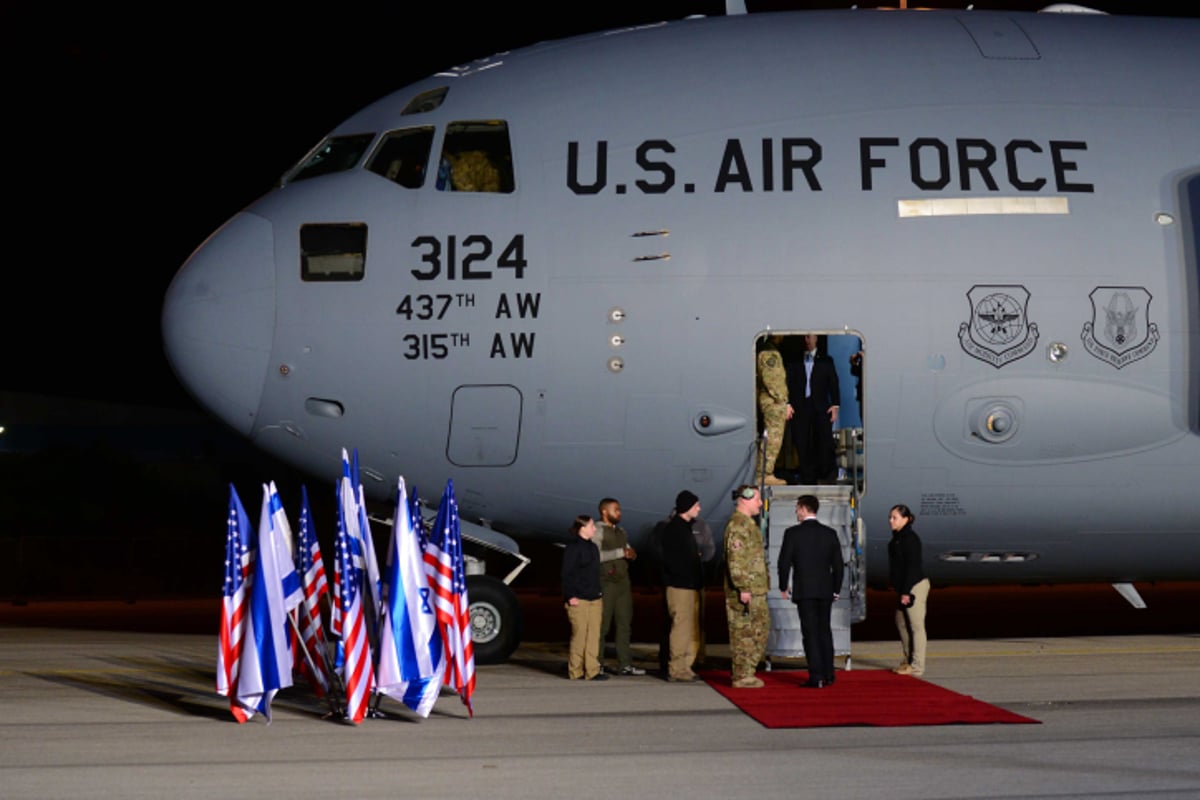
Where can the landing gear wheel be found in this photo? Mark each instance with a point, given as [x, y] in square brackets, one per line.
[495, 619]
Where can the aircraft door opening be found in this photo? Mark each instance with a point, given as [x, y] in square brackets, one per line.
[809, 402]
[809, 396]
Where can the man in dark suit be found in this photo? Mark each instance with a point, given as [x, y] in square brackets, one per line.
[811, 551]
[815, 399]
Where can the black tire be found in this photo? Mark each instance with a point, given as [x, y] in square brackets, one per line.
[495, 619]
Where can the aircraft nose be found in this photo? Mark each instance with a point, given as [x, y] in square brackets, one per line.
[218, 320]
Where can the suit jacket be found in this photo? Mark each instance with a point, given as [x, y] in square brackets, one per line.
[812, 554]
[825, 389]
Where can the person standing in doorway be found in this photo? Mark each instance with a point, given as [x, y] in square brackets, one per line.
[773, 407]
[815, 398]
[912, 589]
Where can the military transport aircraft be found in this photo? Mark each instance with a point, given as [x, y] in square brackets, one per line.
[544, 274]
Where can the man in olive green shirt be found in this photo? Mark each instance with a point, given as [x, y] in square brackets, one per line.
[617, 592]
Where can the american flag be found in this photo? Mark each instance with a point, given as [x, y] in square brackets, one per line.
[414, 506]
[311, 567]
[335, 607]
[239, 564]
[358, 672]
[448, 579]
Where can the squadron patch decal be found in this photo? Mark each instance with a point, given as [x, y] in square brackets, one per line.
[1120, 331]
[998, 331]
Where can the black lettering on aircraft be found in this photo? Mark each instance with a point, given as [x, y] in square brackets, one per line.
[930, 168]
[601, 176]
[643, 161]
[1010, 160]
[522, 345]
[933, 164]
[527, 305]
[941, 158]
[983, 163]
[1062, 167]
[867, 162]
[427, 345]
[735, 170]
[443, 258]
[791, 163]
[424, 306]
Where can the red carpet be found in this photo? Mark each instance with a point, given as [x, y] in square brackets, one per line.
[859, 697]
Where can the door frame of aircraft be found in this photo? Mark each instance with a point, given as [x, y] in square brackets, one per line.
[850, 430]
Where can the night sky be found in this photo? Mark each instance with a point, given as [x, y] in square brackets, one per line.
[132, 132]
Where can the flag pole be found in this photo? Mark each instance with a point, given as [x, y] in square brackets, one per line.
[336, 675]
[308, 656]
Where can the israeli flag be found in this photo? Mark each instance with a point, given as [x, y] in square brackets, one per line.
[411, 662]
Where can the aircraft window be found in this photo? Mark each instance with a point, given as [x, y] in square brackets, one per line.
[476, 157]
[334, 155]
[425, 101]
[333, 252]
[403, 156]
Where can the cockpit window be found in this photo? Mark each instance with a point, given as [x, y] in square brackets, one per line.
[335, 154]
[425, 101]
[403, 156]
[333, 252]
[476, 157]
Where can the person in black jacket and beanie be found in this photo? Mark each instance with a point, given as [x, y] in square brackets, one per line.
[912, 588]
[683, 580]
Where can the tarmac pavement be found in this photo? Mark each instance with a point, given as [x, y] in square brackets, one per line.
[119, 714]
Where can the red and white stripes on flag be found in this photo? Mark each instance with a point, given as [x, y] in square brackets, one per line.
[448, 579]
[311, 568]
[239, 563]
[358, 669]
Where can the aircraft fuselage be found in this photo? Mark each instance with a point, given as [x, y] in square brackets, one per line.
[1001, 207]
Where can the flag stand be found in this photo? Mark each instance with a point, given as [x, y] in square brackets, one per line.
[309, 659]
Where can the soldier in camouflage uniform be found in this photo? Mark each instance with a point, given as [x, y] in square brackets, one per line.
[772, 405]
[746, 585]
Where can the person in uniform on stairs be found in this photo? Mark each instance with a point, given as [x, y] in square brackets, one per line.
[773, 406]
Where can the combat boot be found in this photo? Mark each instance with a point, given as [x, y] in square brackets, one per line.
[748, 683]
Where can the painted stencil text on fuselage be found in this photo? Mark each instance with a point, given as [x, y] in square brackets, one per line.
[787, 164]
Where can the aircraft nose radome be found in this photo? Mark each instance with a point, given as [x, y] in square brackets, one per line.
[219, 317]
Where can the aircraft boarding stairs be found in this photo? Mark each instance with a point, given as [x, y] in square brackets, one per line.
[839, 511]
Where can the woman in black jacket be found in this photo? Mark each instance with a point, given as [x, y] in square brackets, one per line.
[912, 588]
[581, 598]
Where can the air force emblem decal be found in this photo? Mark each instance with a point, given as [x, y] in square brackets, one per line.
[998, 331]
[1120, 331]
